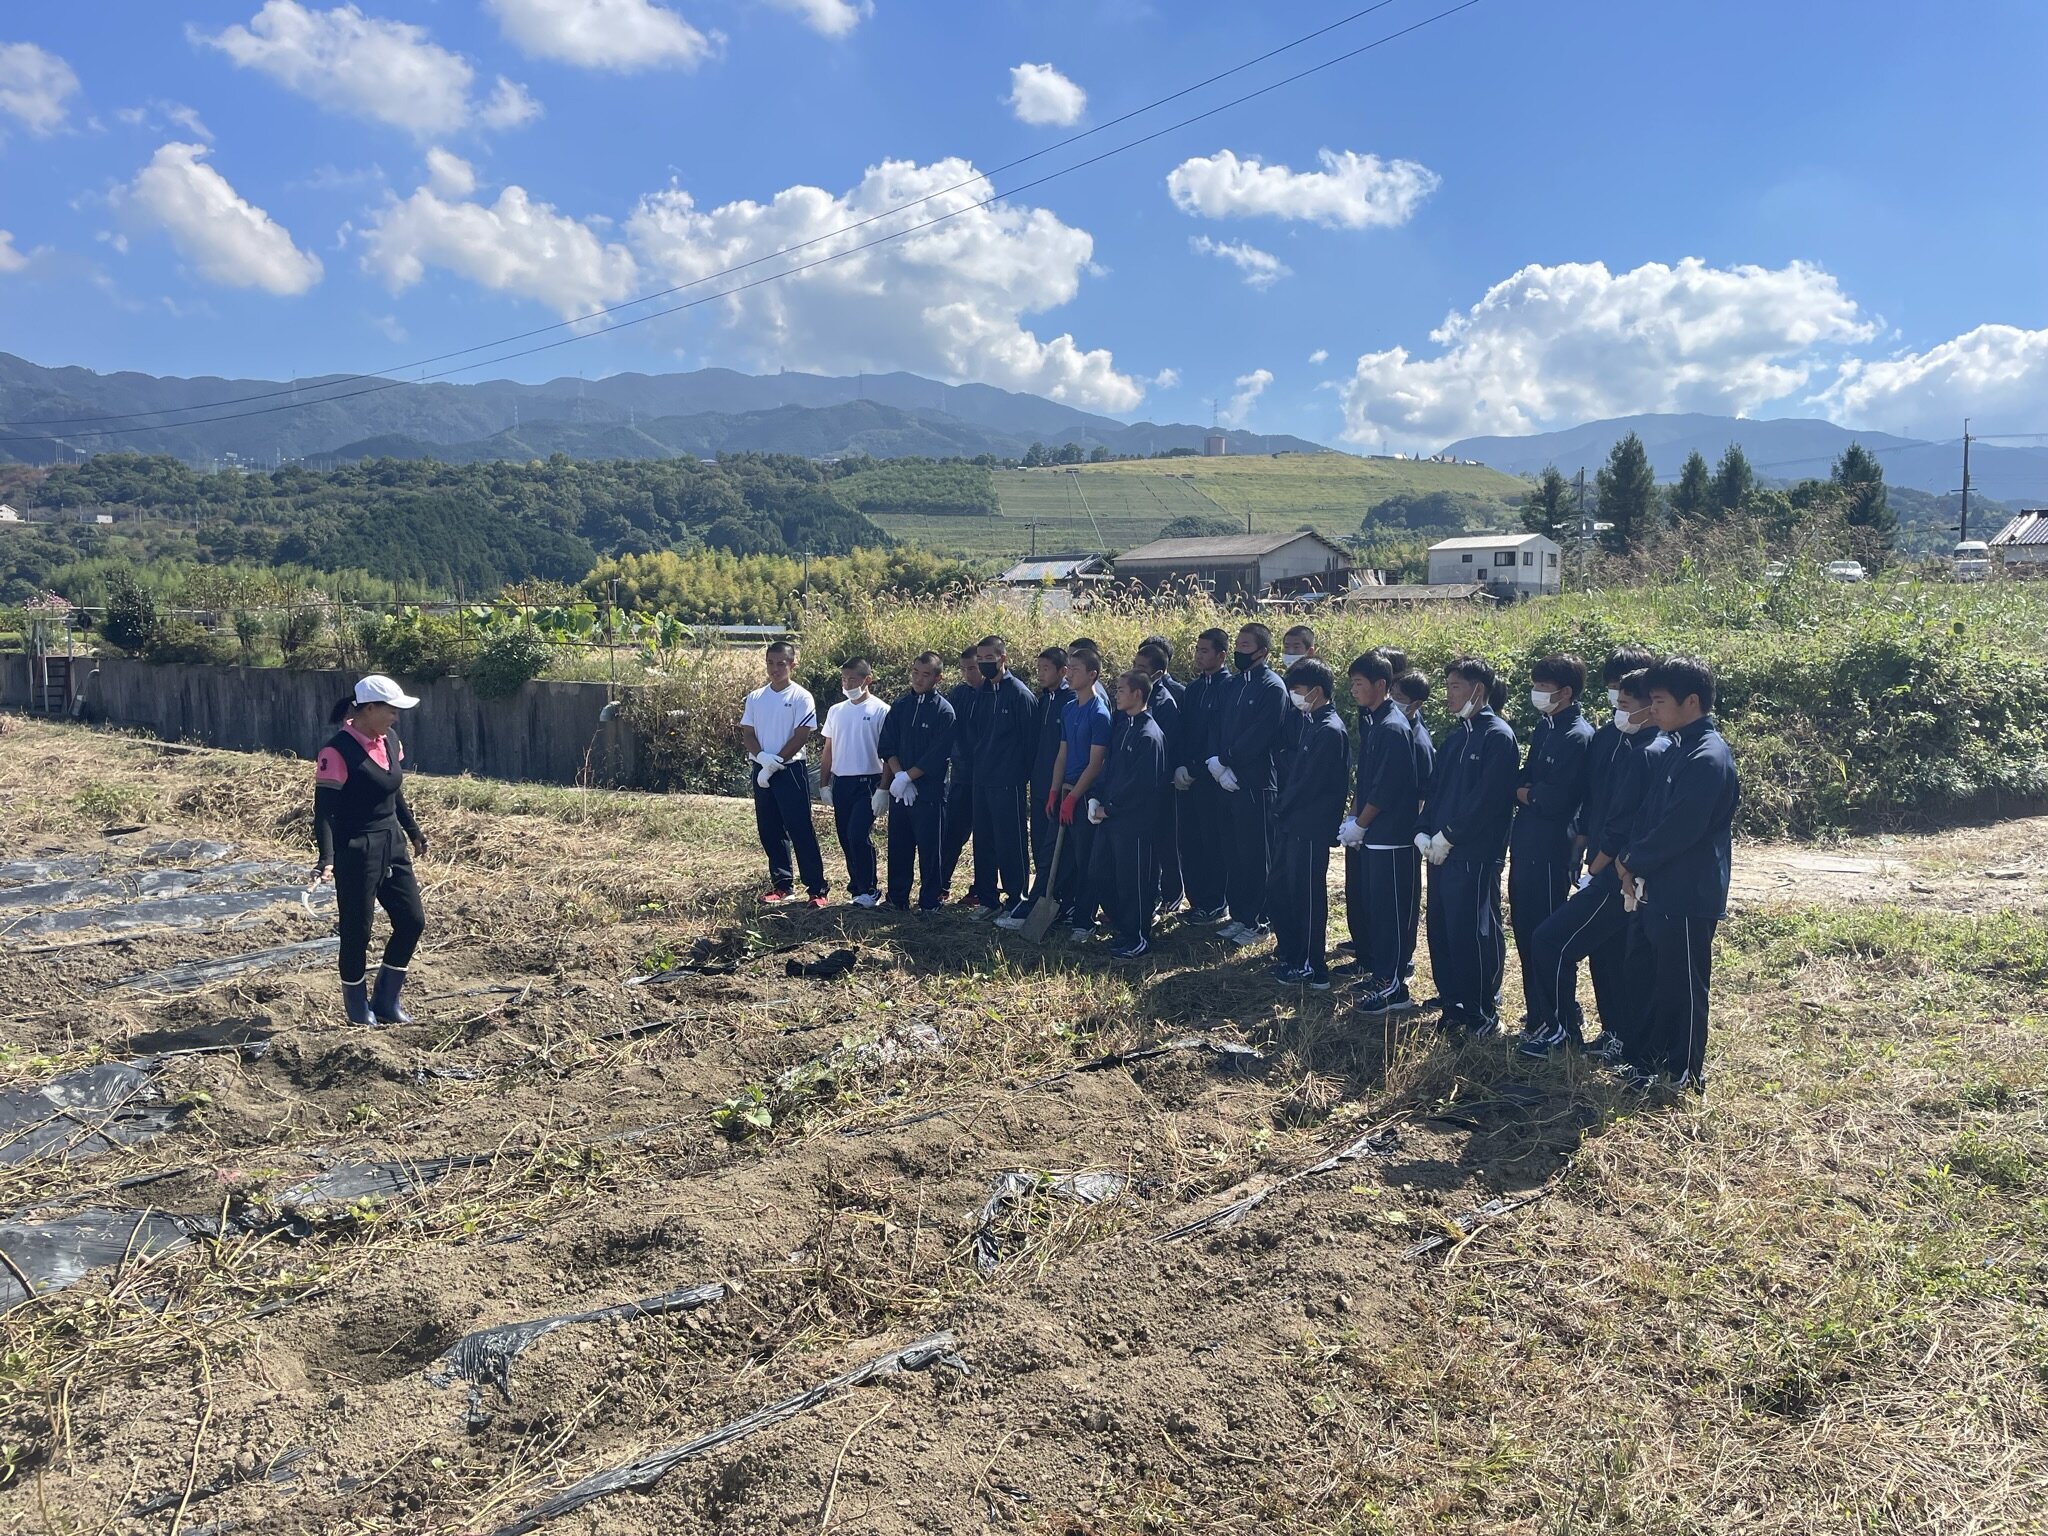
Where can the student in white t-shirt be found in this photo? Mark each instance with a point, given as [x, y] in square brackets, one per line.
[853, 771]
[776, 723]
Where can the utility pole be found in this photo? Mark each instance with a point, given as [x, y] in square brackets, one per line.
[1963, 528]
[1034, 539]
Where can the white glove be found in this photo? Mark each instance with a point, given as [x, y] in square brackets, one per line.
[1182, 778]
[764, 776]
[1584, 881]
[1422, 844]
[1216, 769]
[1351, 834]
[1632, 895]
[879, 801]
[1096, 813]
[770, 763]
[1439, 848]
[909, 795]
[1228, 781]
[899, 784]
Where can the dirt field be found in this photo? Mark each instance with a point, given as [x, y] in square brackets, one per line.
[1813, 1304]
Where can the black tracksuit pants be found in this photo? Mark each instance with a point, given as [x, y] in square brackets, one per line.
[1467, 949]
[917, 843]
[1166, 877]
[853, 818]
[1250, 813]
[1415, 867]
[1045, 833]
[1118, 862]
[373, 869]
[959, 829]
[1075, 887]
[1204, 842]
[1541, 865]
[1381, 927]
[1593, 922]
[1674, 1034]
[782, 816]
[1002, 868]
[1300, 900]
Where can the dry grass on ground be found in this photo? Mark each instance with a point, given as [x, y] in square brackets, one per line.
[1814, 1304]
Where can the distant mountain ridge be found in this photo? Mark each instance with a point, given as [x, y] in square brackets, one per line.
[1786, 449]
[626, 415]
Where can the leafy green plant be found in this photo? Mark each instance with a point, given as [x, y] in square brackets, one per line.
[413, 645]
[131, 613]
[509, 661]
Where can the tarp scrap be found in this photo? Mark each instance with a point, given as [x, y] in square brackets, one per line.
[1010, 1190]
[195, 910]
[485, 1357]
[51, 1255]
[186, 850]
[1225, 1050]
[190, 975]
[365, 1181]
[830, 968]
[17, 871]
[1471, 1222]
[1383, 1141]
[249, 1038]
[938, 1349]
[281, 1468]
[80, 1114]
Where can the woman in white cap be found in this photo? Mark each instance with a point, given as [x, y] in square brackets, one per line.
[363, 826]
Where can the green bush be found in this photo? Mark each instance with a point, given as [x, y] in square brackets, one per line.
[131, 613]
[507, 662]
[413, 645]
[688, 727]
[182, 640]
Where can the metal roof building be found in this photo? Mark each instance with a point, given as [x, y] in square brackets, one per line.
[1524, 563]
[1055, 569]
[1240, 564]
[2024, 540]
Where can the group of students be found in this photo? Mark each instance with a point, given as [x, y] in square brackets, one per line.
[1124, 796]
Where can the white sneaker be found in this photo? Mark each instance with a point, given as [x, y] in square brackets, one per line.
[1246, 937]
[1230, 931]
[866, 899]
[1080, 935]
[1010, 922]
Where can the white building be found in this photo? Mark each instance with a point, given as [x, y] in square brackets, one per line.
[1523, 563]
[8, 514]
[2023, 541]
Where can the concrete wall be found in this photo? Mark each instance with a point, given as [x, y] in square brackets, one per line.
[542, 733]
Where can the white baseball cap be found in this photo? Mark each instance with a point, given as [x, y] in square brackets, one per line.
[379, 689]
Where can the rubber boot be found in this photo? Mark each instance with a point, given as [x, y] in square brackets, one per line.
[355, 1003]
[384, 1004]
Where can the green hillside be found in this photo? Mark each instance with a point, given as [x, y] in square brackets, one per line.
[1113, 507]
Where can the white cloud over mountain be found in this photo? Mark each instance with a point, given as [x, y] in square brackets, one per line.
[225, 238]
[1351, 191]
[512, 246]
[1574, 342]
[1249, 387]
[389, 72]
[1995, 374]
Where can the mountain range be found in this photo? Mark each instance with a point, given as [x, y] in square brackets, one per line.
[57, 414]
[1783, 450]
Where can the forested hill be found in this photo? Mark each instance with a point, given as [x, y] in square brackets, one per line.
[57, 413]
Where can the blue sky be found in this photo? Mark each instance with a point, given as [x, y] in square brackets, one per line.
[1519, 217]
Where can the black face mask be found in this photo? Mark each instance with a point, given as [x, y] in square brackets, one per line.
[989, 669]
[1245, 660]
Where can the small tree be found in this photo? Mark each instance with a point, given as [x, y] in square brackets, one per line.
[1692, 499]
[131, 613]
[1547, 507]
[1733, 481]
[1628, 494]
[1861, 478]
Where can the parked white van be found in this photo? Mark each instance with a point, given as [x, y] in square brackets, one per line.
[1973, 560]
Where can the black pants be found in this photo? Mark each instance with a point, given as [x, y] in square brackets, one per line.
[1541, 866]
[1383, 931]
[1078, 894]
[1467, 950]
[1414, 912]
[959, 829]
[1166, 876]
[1121, 854]
[1593, 922]
[1674, 1035]
[1045, 832]
[1620, 1005]
[1204, 851]
[1002, 872]
[374, 869]
[1300, 900]
[853, 818]
[782, 815]
[917, 842]
[1250, 813]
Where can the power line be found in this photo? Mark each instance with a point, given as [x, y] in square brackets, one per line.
[660, 293]
[821, 261]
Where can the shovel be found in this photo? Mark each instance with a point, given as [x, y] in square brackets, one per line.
[1045, 906]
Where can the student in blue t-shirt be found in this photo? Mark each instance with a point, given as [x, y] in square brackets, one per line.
[1084, 744]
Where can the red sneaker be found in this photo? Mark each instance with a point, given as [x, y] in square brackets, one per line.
[816, 903]
[969, 900]
[776, 898]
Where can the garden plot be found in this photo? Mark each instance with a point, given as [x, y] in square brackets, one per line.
[526, 1263]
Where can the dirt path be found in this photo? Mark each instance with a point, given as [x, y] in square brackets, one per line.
[1970, 869]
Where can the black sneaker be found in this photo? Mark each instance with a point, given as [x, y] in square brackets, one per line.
[1630, 1078]
[1606, 1046]
[1316, 983]
[1376, 997]
[1289, 975]
[1348, 947]
[1689, 1082]
[1482, 1029]
[1539, 1040]
[1210, 917]
[1133, 951]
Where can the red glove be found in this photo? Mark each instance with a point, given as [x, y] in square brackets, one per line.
[1052, 801]
[1067, 810]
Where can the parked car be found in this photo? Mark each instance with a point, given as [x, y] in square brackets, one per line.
[1973, 560]
[1847, 570]
[1776, 572]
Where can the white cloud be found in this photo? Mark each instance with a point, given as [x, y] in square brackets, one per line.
[11, 260]
[1261, 269]
[448, 174]
[1320, 355]
[833, 18]
[156, 116]
[390, 327]
[227, 239]
[621, 35]
[1570, 343]
[948, 300]
[1249, 387]
[1042, 96]
[1166, 378]
[1351, 191]
[387, 71]
[513, 246]
[35, 86]
[1995, 374]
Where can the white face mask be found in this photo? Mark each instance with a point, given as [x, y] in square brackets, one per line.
[1627, 725]
[1541, 699]
[1467, 709]
[855, 695]
[1301, 702]
[1614, 698]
